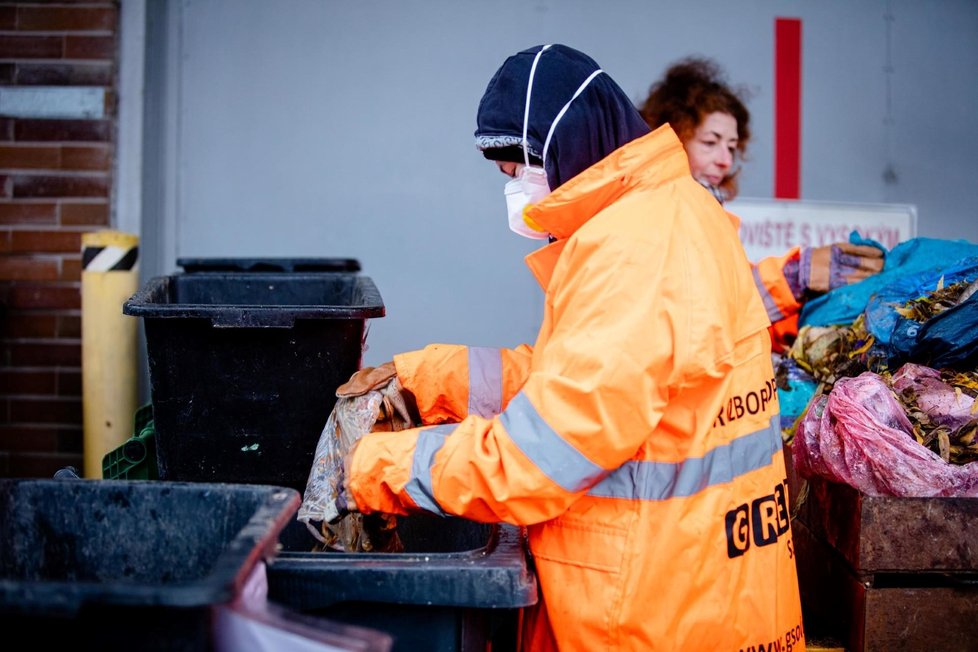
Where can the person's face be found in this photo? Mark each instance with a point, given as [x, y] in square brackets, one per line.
[508, 168]
[712, 148]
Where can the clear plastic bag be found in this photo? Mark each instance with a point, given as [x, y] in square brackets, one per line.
[350, 420]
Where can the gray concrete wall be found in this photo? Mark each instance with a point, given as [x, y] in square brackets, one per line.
[325, 128]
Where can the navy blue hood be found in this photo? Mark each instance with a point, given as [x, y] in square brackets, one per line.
[598, 122]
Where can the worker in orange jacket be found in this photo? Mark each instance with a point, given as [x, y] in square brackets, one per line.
[638, 439]
[713, 123]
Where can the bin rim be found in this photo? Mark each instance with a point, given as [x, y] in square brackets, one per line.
[254, 543]
[268, 264]
[499, 577]
[142, 304]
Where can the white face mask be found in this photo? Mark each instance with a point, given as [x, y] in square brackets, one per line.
[529, 185]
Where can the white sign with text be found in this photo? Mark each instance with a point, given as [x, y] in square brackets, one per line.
[769, 227]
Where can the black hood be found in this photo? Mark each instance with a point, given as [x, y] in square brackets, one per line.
[599, 121]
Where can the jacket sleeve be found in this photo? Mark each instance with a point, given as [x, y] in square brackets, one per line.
[770, 280]
[779, 301]
[573, 421]
[451, 381]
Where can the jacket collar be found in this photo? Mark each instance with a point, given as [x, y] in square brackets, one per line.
[648, 161]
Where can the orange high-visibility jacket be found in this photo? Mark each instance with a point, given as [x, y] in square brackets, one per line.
[779, 302]
[637, 440]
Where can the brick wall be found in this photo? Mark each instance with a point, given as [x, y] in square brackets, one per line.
[55, 184]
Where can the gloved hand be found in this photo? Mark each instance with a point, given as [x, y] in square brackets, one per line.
[825, 268]
[398, 410]
[344, 501]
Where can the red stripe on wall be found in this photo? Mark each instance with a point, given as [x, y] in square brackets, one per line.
[787, 108]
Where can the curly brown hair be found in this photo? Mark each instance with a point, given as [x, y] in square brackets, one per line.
[691, 89]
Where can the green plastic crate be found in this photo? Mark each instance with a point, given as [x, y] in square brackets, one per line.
[136, 458]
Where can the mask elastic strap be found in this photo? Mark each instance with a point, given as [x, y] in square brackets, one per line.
[526, 108]
[553, 125]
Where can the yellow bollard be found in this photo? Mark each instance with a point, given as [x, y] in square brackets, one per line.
[110, 275]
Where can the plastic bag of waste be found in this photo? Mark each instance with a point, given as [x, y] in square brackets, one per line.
[795, 389]
[906, 264]
[950, 339]
[860, 435]
[899, 338]
[941, 406]
[350, 420]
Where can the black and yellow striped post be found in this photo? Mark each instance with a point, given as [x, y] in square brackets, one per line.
[110, 276]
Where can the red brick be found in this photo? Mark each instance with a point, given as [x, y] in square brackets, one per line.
[62, 130]
[35, 324]
[30, 157]
[45, 410]
[5, 241]
[31, 47]
[41, 296]
[71, 440]
[90, 47]
[6, 129]
[40, 465]
[8, 17]
[64, 74]
[70, 269]
[6, 186]
[69, 382]
[28, 185]
[54, 241]
[68, 19]
[44, 354]
[26, 438]
[87, 214]
[69, 325]
[30, 324]
[18, 212]
[96, 157]
[29, 268]
[28, 381]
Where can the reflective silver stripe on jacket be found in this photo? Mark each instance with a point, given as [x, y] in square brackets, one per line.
[773, 312]
[485, 381]
[642, 480]
[558, 460]
[634, 480]
[430, 441]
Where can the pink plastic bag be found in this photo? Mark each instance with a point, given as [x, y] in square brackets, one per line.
[936, 398]
[859, 434]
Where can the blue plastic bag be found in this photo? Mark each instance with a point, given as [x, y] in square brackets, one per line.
[949, 339]
[907, 266]
[896, 336]
[794, 398]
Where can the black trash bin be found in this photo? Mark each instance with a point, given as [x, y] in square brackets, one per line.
[120, 565]
[285, 265]
[459, 585]
[244, 368]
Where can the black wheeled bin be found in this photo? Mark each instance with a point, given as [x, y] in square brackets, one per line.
[244, 368]
[121, 565]
[459, 585]
[286, 265]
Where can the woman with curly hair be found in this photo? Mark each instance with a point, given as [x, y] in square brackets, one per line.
[712, 121]
[708, 115]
